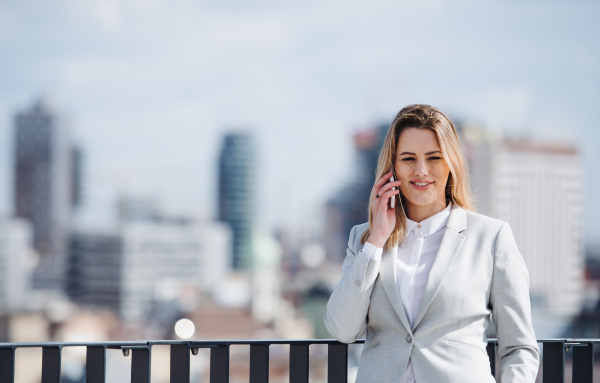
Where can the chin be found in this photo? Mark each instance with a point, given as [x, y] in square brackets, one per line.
[421, 200]
[423, 203]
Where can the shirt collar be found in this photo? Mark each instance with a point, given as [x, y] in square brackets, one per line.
[432, 224]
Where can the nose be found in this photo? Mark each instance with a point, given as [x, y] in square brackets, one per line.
[421, 169]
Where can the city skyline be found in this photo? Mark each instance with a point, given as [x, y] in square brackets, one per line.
[219, 152]
[150, 89]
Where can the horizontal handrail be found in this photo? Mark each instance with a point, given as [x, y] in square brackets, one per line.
[554, 351]
[121, 344]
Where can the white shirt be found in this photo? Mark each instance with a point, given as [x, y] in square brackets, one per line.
[414, 258]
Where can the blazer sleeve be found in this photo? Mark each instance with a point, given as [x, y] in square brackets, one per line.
[511, 310]
[348, 305]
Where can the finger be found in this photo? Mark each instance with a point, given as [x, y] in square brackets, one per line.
[383, 201]
[388, 186]
[380, 182]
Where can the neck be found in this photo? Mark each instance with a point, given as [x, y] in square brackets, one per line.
[419, 213]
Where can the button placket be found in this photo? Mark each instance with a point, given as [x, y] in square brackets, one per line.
[414, 259]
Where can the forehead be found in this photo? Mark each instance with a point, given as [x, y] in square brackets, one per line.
[417, 141]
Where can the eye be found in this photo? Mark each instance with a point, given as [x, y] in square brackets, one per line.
[408, 159]
[435, 158]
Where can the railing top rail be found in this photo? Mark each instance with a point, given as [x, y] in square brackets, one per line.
[199, 343]
[213, 343]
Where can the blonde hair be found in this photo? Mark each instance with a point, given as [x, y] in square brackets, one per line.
[458, 187]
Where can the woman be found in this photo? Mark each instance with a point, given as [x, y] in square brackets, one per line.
[423, 277]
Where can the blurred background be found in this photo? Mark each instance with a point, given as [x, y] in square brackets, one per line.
[205, 161]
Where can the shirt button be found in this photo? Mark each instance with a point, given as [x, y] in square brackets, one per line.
[408, 339]
[419, 226]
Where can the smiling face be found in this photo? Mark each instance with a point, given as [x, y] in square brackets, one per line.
[423, 171]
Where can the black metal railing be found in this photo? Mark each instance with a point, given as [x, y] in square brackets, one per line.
[554, 353]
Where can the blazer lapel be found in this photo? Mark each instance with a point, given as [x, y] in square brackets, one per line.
[450, 246]
[387, 273]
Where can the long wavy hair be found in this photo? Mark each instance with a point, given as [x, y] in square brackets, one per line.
[458, 186]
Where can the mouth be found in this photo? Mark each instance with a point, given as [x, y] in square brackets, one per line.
[421, 185]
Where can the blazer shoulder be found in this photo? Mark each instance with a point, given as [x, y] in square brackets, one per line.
[359, 230]
[358, 233]
[484, 222]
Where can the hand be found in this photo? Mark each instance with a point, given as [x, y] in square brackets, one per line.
[384, 217]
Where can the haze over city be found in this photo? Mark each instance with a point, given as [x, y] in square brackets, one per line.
[149, 88]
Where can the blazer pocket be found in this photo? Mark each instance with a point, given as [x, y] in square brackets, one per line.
[371, 347]
[467, 345]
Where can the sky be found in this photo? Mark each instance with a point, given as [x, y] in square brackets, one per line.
[149, 88]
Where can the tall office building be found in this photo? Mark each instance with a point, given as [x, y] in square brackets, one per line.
[237, 183]
[538, 188]
[46, 186]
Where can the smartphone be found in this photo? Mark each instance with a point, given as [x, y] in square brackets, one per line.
[393, 199]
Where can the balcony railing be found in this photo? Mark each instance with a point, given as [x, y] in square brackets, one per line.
[553, 361]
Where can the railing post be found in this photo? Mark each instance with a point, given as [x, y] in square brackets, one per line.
[491, 351]
[51, 364]
[554, 362]
[180, 363]
[219, 364]
[7, 365]
[95, 364]
[583, 363]
[337, 363]
[259, 363]
[299, 363]
[140, 365]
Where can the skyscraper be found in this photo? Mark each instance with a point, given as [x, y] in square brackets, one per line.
[538, 188]
[237, 164]
[46, 174]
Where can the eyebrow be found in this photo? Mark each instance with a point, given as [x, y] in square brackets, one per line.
[435, 151]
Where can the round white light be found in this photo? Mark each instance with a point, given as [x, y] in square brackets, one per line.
[184, 328]
[312, 255]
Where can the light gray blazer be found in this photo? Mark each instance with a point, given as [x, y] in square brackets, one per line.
[478, 271]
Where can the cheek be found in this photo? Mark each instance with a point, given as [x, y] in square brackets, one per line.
[441, 188]
[404, 174]
[441, 175]
[403, 169]
[404, 187]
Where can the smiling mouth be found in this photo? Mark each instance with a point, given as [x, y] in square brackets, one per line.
[421, 183]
